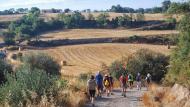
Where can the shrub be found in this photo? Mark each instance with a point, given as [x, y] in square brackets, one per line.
[43, 62]
[27, 85]
[117, 69]
[143, 61]
[8, 38]
[179, 71]
[4, 67]
[12, 48]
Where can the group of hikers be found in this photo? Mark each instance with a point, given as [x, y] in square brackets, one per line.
[105, 84]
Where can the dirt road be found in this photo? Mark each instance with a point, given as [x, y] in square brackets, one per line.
[133, 99]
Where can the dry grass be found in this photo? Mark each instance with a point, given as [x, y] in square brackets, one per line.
[101, 33]
[4, 18]
[88, 58]
[48, 16]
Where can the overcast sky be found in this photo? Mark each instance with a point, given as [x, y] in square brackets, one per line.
[78, 4]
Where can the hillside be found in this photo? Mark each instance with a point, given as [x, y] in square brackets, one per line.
[88, 58]
[48, 16]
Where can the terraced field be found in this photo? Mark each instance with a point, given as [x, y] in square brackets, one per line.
[101, 33]
[89, 58]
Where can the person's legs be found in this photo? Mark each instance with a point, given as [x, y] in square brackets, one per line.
[92, 96]
[130, 84]
[99, 90]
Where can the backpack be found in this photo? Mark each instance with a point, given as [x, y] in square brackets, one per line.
[130, 77]
[138, 78]
[106, 83]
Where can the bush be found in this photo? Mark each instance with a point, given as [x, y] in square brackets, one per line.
[4, 67]
[179, 71]
[43, 62]
[143, 61]
[12, 48]
[8, 38]
[27, 85]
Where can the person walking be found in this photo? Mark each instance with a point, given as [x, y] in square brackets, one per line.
[111, 83]
[99, 82]
[91, 87]
[138, 79]
[123, 82]
[107, 84]
[148, 80]
[130, 79]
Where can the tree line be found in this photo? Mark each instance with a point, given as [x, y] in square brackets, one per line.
[32, 25]
[114, 8]
[165, 5]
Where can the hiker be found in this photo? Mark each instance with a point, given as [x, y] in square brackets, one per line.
[123, 82]
[91, 87]
[111, 83]
[148, 79]
[107, 84]
[130, 79]
[99, 82]
[138, 79]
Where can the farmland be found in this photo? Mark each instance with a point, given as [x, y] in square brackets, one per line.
[89, 58]
[102, 33]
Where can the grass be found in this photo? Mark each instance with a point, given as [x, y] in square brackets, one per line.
[101, 33]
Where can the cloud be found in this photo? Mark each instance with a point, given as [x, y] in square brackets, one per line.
[17, 3]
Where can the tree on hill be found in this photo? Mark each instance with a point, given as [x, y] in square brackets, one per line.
[102, 19]
[8, 38]
[166, 5]
[67, 10]
[72, 20]
[140, 17]
[90, 17]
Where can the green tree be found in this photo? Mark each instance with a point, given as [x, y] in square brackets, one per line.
[140, 17]
[35, 11]
[91, 16]
[42, 62]
[9, 38]
[102, 19]
[4, 68]
[166, 5]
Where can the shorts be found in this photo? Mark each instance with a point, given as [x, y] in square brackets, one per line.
[92, 93]
[123, 85]
[100, 87]
[148, 81]
[130, 83]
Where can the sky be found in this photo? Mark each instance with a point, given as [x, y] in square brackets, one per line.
[79, 4]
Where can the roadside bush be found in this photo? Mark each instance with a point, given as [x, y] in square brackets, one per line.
[4, 67]
[143, 61]
[117, 69]
[43, 62]
[26, 86]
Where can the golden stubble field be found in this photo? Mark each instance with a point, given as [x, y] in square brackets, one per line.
[101, 33]
[89, 57]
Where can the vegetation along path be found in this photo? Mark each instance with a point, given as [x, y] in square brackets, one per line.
[133, 99]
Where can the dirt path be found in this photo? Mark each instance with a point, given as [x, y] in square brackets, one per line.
[133, 99]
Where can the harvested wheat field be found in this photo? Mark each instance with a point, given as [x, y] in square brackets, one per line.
[101, 33]
[89, 58]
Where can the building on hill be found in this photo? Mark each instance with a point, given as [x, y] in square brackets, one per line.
[51, 11]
